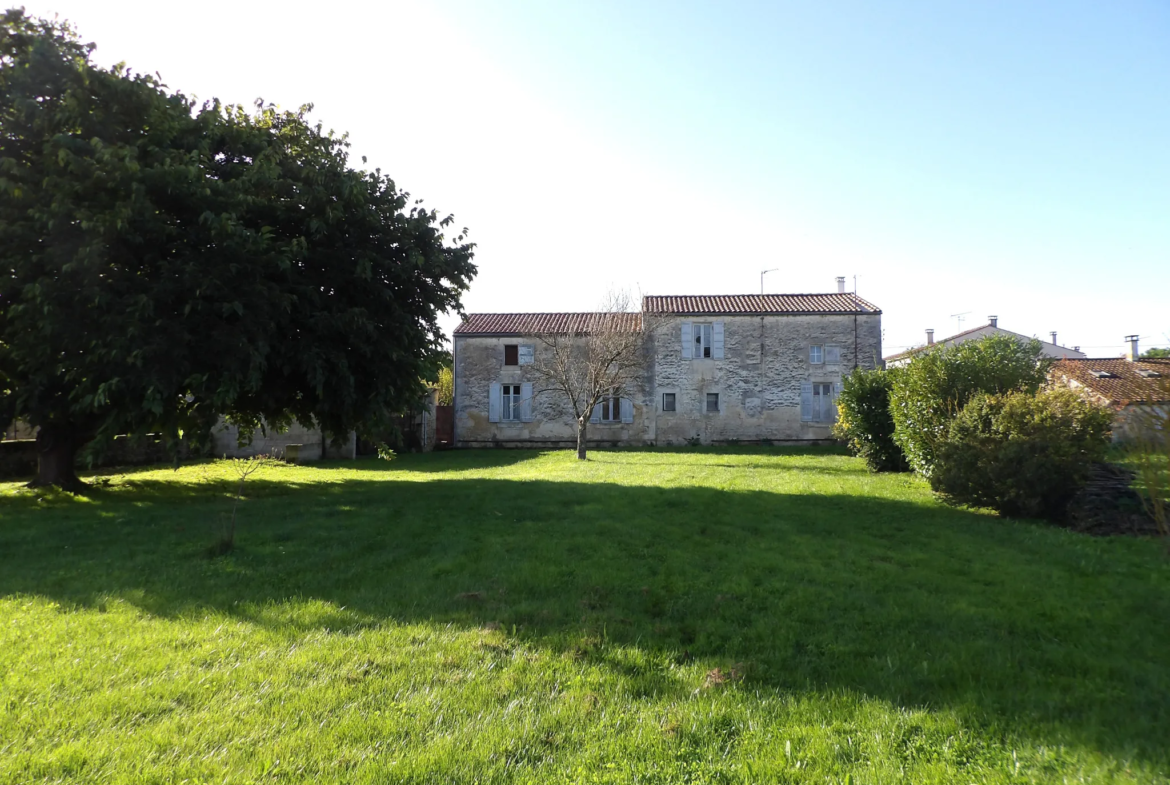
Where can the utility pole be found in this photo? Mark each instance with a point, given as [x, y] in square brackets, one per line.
[762, 273]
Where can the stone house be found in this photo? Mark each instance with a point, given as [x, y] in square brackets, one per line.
[1047, 348]
[1138, 390]
[720, 368]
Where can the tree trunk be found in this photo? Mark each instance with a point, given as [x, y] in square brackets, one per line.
[56, 457]
[582, 424]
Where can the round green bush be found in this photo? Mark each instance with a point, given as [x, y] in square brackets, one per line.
[1021, 454]
[864, 421]
[930, 392]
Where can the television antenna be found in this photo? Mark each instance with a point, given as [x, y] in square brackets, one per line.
[959, 318]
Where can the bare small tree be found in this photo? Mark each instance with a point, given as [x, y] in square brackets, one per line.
[592, 357]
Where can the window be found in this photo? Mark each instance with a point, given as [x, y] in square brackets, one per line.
[833, 355]
[510, 400]
[824, 407]
[511, 354]
[713, 402]
[668, 402]
[816, 354]
[704, 340]
[611, 408]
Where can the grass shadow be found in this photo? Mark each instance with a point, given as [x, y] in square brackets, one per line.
[1013, 626]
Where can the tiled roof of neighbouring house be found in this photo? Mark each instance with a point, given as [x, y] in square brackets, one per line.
[755, 304]
[535, 323]
[1124, 382]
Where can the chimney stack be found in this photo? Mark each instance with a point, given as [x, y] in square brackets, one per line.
[1132, 353]
[994, 320]
[840, 284]
[1053, 334]
[930, 337]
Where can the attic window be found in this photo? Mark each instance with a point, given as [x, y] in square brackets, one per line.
[1147, 373]
[1104, 374]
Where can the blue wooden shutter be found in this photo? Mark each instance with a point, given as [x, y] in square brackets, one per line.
[717, 341]
[627, 410]
[806, 402]
[833, 355]
[596, 416]
[526, 402]
[525, 354]
[833, 404]
[688, 340]
[494, 403]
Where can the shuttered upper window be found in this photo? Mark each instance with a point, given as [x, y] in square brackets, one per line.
[702, 341]
[816, 354]
[511, 354]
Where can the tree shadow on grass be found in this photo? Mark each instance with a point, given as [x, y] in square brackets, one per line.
[1038, 632]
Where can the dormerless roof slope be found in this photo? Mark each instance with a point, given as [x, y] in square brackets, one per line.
[835, 304]
[757, 304]
[1124, 384]
[533, 323]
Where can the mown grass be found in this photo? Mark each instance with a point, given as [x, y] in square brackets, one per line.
[690, 616]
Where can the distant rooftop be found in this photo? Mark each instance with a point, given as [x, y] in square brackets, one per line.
[1118, 380]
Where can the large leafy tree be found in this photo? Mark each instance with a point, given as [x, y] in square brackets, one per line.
[165, 263]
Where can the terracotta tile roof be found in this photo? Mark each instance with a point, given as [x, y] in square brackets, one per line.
[753, 304]
[533, 323]
[1123, 385]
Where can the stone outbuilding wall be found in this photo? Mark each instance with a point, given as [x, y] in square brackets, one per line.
[297, 444]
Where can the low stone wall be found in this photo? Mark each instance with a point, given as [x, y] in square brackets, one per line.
[298, 444]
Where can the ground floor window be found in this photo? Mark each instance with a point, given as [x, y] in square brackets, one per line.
[824, 404]
[611, 408]
[510, 400]
[713, 402]
[668, 402]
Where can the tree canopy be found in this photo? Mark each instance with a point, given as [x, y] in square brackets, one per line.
[168, 262]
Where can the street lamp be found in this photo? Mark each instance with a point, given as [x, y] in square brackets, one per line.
[762, 272]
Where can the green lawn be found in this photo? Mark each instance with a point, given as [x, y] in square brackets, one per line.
[749, 615]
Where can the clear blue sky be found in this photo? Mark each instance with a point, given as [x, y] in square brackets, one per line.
[991, 157]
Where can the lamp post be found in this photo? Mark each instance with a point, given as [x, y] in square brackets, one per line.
[762, 272]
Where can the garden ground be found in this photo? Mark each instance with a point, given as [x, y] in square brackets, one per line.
[745, 615]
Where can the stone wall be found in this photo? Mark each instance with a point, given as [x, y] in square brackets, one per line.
[299, 443]
[479, 361]
[766, 359]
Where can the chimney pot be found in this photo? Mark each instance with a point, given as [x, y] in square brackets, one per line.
[1132, 352]
[840, 284]
[1053, 334]
[930, 337]
[994, 320]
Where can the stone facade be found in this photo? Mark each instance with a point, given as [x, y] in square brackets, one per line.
[764, 379]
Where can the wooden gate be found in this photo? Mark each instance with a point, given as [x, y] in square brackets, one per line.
[444, 427]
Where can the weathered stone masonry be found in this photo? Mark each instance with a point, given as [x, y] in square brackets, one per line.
[764, 371]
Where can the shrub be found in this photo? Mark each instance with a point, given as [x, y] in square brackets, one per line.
[1021, 454]
[930, 392]
[864, 420]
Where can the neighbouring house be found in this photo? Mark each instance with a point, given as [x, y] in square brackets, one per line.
[1133, 387]
[1047, 348]
[719, 368]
